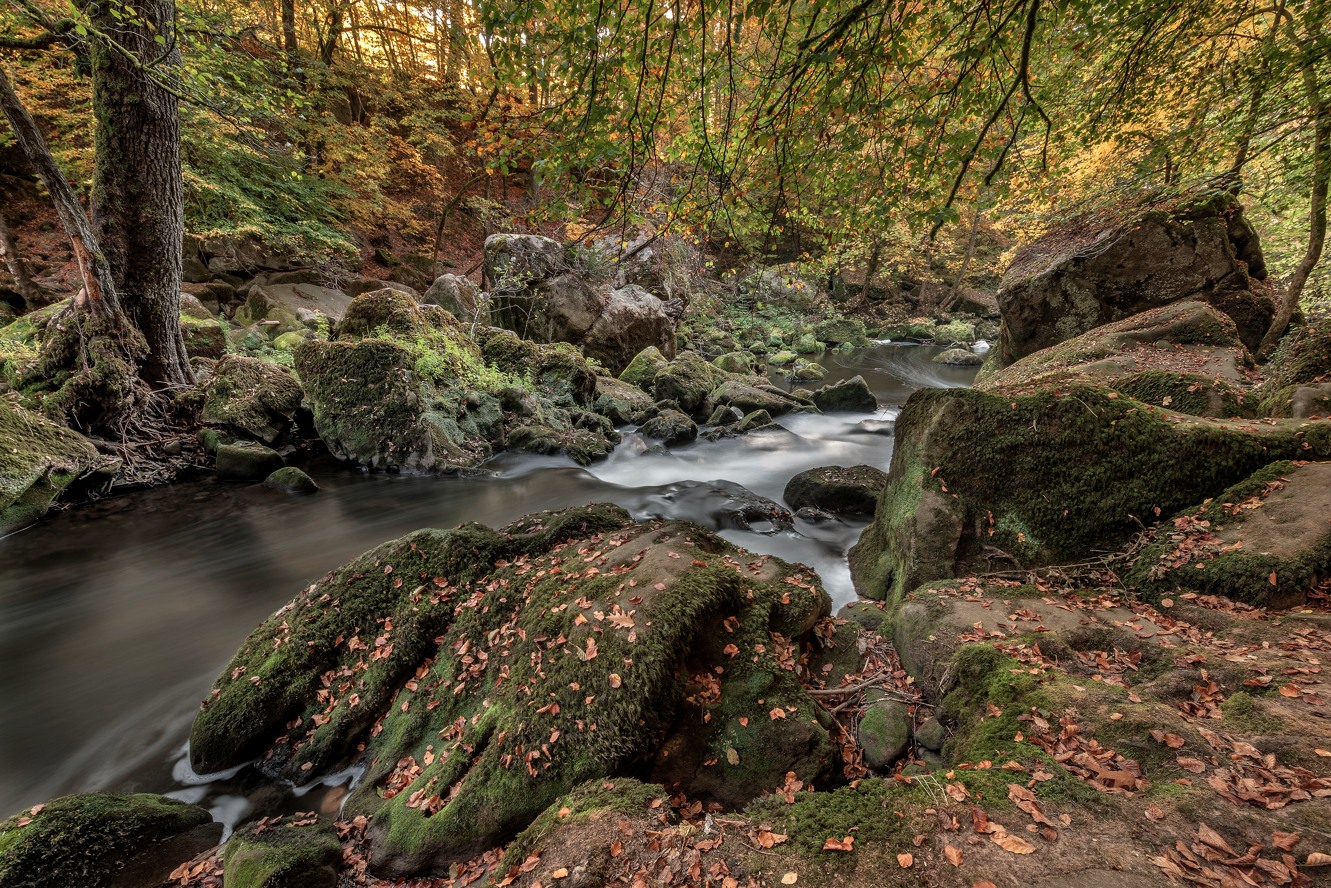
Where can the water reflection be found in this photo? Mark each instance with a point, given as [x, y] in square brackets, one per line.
[115, 618]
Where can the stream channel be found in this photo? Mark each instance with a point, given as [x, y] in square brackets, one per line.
[116, 617]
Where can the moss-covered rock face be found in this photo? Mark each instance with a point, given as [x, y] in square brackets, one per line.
[848, 396]
[402, 386]
[688, 381]
[1077, 278]
[252, 398]
[204, 337]
[642, 370]
[481, 674]
[1185, 356]
[621, 402]
[38, 460]
[671, 427]
[87, 840]
[298, 852]
[1048, 477]
[1265, 541]
[1298, 377]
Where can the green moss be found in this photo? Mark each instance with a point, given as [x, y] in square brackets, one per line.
[1073, 472]
[283, 855]
[38, 461]
[85, 839]
[1247, 713]
[620, 796]
[642, 370]
[1303, 356]
[1186, 393]
[865, 812]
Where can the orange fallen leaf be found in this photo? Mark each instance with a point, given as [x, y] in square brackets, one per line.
[952, 854]
[790, 878]
[615, 680]
[846, 844]
[905, 861]
[1317, 858]
[1283, 840]
[1290, 691]
[777, 713]
[1014, 844]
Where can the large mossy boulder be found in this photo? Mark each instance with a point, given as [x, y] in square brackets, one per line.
[459, 297]
[1078, 277]
[848, 396]
[621, 402]
[479, 675]
[1298, 377]
[1265, 541]
[402, 386]
[1185, 356]
[556, 370]
[747, 398]
[544, 293]
[250, 397]
[38, 461]
[102, 839]
[1049, 477]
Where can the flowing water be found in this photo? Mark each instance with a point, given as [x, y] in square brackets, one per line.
[116, 617]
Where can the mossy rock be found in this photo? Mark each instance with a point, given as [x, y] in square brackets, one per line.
[290, 479]
[621, 402]
[808, 371]
[485, 674]
[670, 427]
[735, 362]
[840, 331]
[848, 396]
[915, 330]
[642, 370]
[590, 801]
[1185, 356]
[1266, 541]
[808, 344]
[958, 357]
[884, 732]
[250, 397]
[1048, 477]
[38, 461]
[557, 370]
[758, 419]
[89, 840]
[246, 461]
[204, 337]
[688, 381]
[1303, 356]
[840, 490]
[783, 358]
[299, 852]
[748, 398]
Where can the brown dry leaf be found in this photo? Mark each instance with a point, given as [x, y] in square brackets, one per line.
[956, 792]
[1285, 841]
[846, 844]
[1154, 814]
[615, 680]
[953, 855]
[765, 838]
[905, 861]
[984, 885]
[790, 878]
[1188, 763]
[777, 713]
[1014, 844]
[1290, 691]
[561, 873]
[1317, 858]
[1324, 753]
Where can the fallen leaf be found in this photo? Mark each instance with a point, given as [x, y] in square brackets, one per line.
[1283, 840]
[1014, 844]
[561, 873]
[1154, 814]
[790, 878]
[1317, 858]
[615, 680]
[905, 861]
[846, 844]
[953, 855]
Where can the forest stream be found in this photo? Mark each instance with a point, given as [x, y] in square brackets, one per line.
[115, 618]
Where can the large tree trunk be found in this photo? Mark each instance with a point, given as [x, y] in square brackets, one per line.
[18, 269]
[137, 198]
[99, 293]
[289, 33]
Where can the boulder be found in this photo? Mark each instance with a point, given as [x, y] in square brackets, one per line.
[849, 396]
[1298, 376]
[954, 332]
[38, 461]
[246, 461]
[459, 297]
[250, 397]
[621, 402]
[782, 285]
[688, 381]
[290, 480]
[101, 840]
[204, 337]
[725, 505]
[807, 371]
[489, 657]
[839, 331]
[758, 419]
[537, 292]
[747, 398]
[884, 732]
[735, 362]
[557, 370]
[980, 478]
[294, 298]
[840, 490]
[1185, 356]
[958, 357]
[1079, 277]
[642, 370]
[671, 427]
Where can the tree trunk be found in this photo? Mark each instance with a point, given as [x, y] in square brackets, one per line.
[138, 197]
[289, 33]
[1321, 177]
[18, 269]
[99, 294]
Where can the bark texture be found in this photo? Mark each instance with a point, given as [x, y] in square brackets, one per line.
[138, 197]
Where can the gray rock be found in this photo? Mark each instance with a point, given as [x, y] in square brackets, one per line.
[246, 461]
[290, 479]
[840, 490]
[851, 396]
[931, 734]
[460, 297]
[758, 419]
[670, 426]
[884, 733]
[958, 357]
